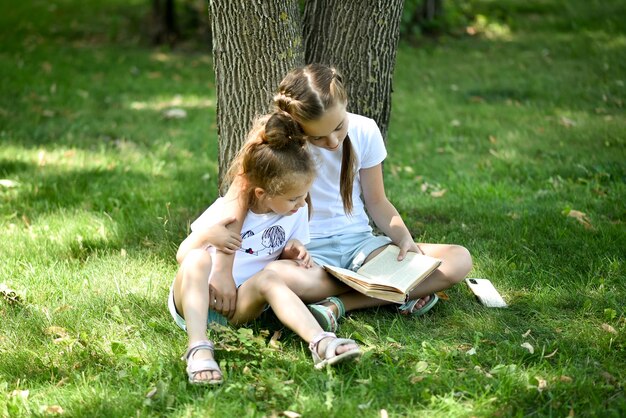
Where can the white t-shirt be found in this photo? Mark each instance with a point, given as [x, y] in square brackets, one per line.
[264, 237]
[328, 218]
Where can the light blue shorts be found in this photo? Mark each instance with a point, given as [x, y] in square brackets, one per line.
[348, 250]
[213, 317]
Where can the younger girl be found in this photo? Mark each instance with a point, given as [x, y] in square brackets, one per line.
[278, 172]
[350, 150]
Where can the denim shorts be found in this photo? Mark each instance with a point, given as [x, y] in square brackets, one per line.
[347, 250]
[213, 316]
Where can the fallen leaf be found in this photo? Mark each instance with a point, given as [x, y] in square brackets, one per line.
[529, 347]
[416, 379]
[541, 384]
[609, 328]
[609, 377]
[421, 366]
[471, 351]
[56, 331]
[151, 393]
[383, 413]
[438, 193]
[492, 139]
[526, 334]
[175, 113]
[52, 409]
[566, 379]
[290, 414]
[567, 122]
[274, 340]
[10, 295]
[62, 308]
[443, 295]
[580, 217]
[551, 354]
[19, 394]
[9, 184]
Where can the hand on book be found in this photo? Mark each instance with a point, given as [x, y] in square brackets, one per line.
[407, 245]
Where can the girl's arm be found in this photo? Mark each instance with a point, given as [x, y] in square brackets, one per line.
[222, 285]
[218, 236]
[383, 213]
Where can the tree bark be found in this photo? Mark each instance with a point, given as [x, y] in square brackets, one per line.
[255, 43]
[359, 38]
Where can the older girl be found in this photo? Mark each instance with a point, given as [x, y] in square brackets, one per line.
[350, 150]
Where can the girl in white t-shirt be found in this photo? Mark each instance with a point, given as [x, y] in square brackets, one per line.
[349, 149]
[277, 170]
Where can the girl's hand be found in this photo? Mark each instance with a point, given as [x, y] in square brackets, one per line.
[294, 250]
[223, 239]
[407, 245]
[223, 293]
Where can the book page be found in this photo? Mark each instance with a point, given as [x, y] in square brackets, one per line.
[404, 275]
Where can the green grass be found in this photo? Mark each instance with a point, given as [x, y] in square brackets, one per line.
[520, 125]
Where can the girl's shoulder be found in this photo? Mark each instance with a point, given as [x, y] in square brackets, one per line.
[363, 128]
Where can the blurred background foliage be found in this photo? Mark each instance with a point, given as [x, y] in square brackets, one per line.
[183, 20]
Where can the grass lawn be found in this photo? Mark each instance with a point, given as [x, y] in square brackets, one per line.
[511, 142]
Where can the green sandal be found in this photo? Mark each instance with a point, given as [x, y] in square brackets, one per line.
[409, 307]
[325, 316]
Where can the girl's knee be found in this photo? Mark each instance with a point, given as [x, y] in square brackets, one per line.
[267, 281]
[196, 261]
[461, 260]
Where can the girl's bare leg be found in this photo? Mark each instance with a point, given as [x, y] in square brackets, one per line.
[266, 287]
[457, 262]
[311, 285]
[191, 297]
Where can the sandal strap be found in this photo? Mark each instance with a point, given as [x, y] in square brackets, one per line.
[341, 309]
[315, 342]
[199, 345]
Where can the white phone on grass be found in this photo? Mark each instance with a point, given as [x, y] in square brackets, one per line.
[486, 293]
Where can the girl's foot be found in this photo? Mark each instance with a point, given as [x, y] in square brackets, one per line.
[419, 306]
[327, 349]
[201, 366]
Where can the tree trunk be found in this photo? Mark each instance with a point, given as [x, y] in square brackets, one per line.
[165, 28]
[255, 43]
[360, 39]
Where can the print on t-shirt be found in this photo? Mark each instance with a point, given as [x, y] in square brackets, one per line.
[271, 239]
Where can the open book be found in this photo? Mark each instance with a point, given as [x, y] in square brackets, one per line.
[384, 277]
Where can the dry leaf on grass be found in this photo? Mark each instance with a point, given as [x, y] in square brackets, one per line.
[274, 340]
[541, 384]
[529, 347]
[52, 410]
[609, 328]
[290, 414]
[9, 184]
[580, 217]
[551, 354]
[438, 193]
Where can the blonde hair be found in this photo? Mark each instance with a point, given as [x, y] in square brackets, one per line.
[273, 157]
[306, 93]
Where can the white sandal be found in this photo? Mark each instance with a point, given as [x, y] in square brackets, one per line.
[201, 365]
[330, 354]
